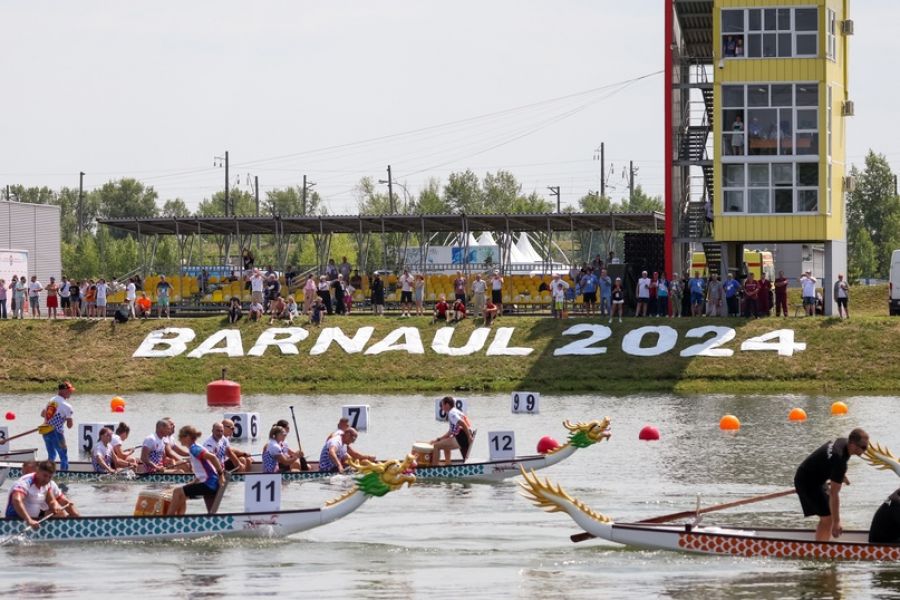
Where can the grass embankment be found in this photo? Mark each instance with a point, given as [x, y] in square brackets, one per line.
[859, 355]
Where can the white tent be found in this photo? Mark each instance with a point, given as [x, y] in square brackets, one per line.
[486, 239]
[516, 256]
[527, 250]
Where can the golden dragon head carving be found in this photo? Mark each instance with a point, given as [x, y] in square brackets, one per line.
[582, 435]
[379, 478]
[882, 458]
[550, 498]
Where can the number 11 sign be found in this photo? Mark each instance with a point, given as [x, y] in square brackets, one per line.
[262, 492]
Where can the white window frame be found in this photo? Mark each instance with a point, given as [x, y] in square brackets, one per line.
[727, 132]
[831, 47]
[771, 189]
[747, 32]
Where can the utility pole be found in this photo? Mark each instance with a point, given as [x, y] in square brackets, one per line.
[390, 183]
[630, 180]
[80, 201]
[8, 196]
[219, 161]
[600, 154]
[256, 194]
[554, 190]
[306, 187]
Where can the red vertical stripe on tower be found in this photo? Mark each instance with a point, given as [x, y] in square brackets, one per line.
[668, 77]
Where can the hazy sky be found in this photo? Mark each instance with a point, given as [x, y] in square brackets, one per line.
[156, 90]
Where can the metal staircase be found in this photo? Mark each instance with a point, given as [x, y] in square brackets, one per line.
[713, 252]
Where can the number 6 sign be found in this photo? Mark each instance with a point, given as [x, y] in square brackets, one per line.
[262, 492]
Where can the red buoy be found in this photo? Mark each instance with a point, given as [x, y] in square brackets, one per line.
[10, 416]
[546, 444]
[649, 433]
[223, 392]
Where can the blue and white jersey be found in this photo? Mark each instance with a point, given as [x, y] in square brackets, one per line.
[34, 497]
[217, 447]
[270, 456]
[326, 464]
[202, 467]
[103, 451]
[57, 412]
[157, 448]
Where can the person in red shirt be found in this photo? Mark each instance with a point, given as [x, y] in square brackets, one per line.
[440, 309]
[781, 285]
[459, 310]
[490, 311]
[751, 296]
[763, 300]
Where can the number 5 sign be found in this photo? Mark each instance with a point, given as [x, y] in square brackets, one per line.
[526, 402]
[262, 492]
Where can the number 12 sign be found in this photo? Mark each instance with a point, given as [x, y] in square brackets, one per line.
[262, 492]
[526, 402]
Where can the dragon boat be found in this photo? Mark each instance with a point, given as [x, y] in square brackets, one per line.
[581, 435]
[371, 479]
[713, 540]
[18, 455]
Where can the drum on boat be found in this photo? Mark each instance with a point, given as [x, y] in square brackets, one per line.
[152, 504]
[422, 451]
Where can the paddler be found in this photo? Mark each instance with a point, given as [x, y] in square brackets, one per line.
[207, 474]
[35, 495]
[458, 436]
[219, 445]
[153, 450]
[337, 451]
[885, 528]
[276, 456]
[101, 456]
[819, 479]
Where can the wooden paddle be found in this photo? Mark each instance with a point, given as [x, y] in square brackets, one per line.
[304, 466]
[584, 535]
[43, 429]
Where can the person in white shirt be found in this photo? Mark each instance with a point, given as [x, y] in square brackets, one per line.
[558, 288]
[102, 290]
[153, 450]
[122, 458]
[257, 283]
[34, 290]
[808, 291]
[32, 492]
[497, 291]
[643, 295]
[59, 413]
[459, 435]
[219, 445]
[407, 282]
[130, 297]
[479, 290]
[101, 456]
[65, 296]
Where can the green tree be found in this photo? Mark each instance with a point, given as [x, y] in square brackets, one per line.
[175, 208]
[499, 192]
[126, 198]
[862, 259]
[430, 201]
[463, 193]
[592, 202]
[533, 203]
[875, 208]
[641, 202]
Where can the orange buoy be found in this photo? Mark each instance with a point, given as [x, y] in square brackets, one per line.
[223, 392]
[838, 408]
[729, 423]
[797, 414]
[117, 404]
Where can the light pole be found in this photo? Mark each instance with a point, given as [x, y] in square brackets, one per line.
[222, 161]
[402, 187]
[307, 185]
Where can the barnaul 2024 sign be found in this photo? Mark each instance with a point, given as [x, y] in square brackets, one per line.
[589, 340]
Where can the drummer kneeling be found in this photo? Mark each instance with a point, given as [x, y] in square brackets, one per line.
[207, 474]
[35, 495]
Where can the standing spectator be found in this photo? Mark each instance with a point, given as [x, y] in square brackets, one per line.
[162, 297]
[355, 280]
[378, 294]
[65, 297]
[406, 285]
[21, 287]
[344, 268]
[715, 297]
[497, 291]
[273, 289]
[419, 294]
[605, 283]
[52, 299]
[696, 285]
[612, 260]
[12, 294]
[676, 291]
[90, 298]
[203, 281]
[234, 310]
[685, 295]
[559, 297]
[642, 291]
[325, 293]
[762, 300]
[732, 287]
[652, 303]
[247, 259]
[102, 290]
[339, 289]
[597, 264]
[289, 275]
[309, 293]
[479, 289]
[257, 285]
[317, 316]
[59, 413]
[751, 296]
[459, 287]
[34, 290]
[131, 297]
[841, 296]
[662, 295]
[331, 271]
[589, 291]
[74, 298]
[618, 299]
[2, 298]
[348, 297]
[144, 306]
[808, 291]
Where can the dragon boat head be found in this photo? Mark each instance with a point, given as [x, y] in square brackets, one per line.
[582, 435]
[379, 478]
[882, 458]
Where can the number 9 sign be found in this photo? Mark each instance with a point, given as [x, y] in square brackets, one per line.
[526, 403]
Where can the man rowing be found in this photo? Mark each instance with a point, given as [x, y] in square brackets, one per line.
[153, 450]
[207, 474]
[337, 451]
[35, 495]
[819, 479]
[219, 445]
[176, 457]
[342, 426]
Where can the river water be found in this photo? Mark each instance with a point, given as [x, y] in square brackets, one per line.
[479, 541]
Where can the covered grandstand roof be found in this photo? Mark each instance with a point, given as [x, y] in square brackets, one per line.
[328, 224]
[695, 22]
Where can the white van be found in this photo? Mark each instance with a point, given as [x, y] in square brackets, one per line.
[894, 285]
